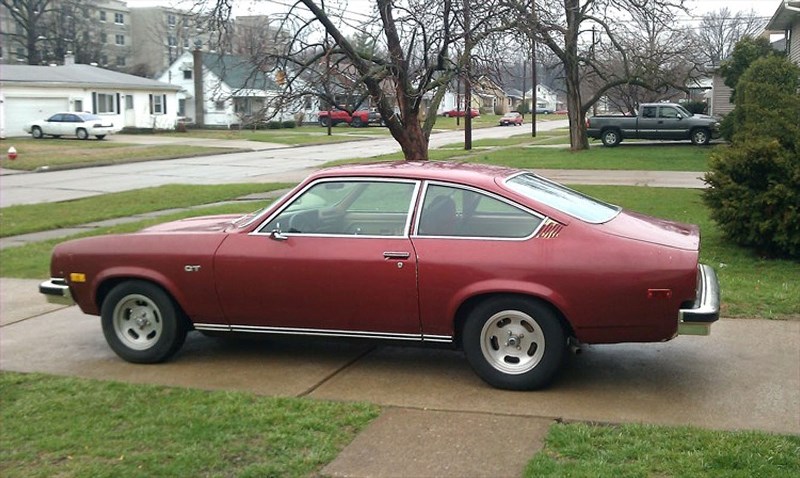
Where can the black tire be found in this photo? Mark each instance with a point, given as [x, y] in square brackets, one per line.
[100, 136]
[141, 322]
[56, 136]
[81, 133]
[356, 123]
[611, 137]
[700, 137]
[324, 122]
[514, 343]
[36, 132]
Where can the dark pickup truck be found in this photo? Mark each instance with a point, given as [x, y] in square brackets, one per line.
[655, 121]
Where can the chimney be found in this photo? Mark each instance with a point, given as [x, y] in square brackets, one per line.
[199, 97]
[69, 59]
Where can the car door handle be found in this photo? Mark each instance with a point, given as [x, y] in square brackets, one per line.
[396, 255]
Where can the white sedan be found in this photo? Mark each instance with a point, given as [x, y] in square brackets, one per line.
[81, 125]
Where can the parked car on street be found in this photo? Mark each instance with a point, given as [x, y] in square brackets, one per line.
[668, 121]
[81, 125]
[513, 117]
[543, 111]
[473, 112]
[510, 267]
[359, 118]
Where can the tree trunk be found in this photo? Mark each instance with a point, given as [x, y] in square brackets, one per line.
[413, 141]
[577, 126]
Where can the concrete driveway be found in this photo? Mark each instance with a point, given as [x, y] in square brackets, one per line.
[746, 375]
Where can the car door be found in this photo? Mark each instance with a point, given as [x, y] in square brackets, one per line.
[337, 260]
[671, 124]
[468, 240]
[53, 124]
[69, 123]
[647, 123]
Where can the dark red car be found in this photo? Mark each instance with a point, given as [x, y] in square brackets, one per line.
[505, 264]
[513, 117]
[473, 112]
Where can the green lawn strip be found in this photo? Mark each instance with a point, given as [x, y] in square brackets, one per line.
[684, 157]
[54, 426]
[61, 153]
[32, 261]
[23, 219]
[583, 450]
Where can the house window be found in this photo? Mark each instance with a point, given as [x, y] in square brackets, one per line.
[187, 74]
[186, 42]
[181, 107]
[128, 102]
[77, 105]
[120, 61]
[171, 20]
[172, 41]
[119, 39]
[105, 103]
[119, 18]
[219, 105]
[157, 106]
[102, 16]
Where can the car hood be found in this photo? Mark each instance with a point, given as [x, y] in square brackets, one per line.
[644, 228]
[217, 223]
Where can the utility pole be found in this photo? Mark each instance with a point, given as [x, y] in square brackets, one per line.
[467, 85]
[533, 86]
[524, 85]
[328, 74]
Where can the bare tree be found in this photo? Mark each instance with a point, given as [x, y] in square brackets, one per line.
[30, 32]
[566, 29]
[419, 47]
[720, 30]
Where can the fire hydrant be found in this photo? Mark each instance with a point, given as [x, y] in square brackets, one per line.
[12, 153]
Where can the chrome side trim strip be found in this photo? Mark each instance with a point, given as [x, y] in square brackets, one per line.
[324, 332]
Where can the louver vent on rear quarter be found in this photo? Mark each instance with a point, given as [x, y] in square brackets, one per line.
[550, 229]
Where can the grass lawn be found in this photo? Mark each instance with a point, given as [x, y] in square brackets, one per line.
[22, 219]
[582, 450]
[54, 426]
[33, 154]
[309, 134]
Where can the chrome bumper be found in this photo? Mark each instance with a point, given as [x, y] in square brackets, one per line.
[697, 320]
[57, 291]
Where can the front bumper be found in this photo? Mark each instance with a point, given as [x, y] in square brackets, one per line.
[57, 291]
[697, 319]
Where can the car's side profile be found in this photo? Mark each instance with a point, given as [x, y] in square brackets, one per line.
[80, 125]
[511, 118]
[502, 263]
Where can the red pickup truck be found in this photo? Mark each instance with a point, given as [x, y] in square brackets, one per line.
[358, 119]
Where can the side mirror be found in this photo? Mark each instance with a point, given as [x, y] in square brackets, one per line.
[680, 116]
[277, 235]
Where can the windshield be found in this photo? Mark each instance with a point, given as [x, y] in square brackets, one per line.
[564, 199]
[684, 111]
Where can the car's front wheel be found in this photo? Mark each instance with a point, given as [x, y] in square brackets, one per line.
[37, 133]
[141, 322]
[514, 343]
[700, 137]
[81, 133]
[356, 123]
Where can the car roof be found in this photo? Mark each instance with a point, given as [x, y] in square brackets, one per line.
[460, 172]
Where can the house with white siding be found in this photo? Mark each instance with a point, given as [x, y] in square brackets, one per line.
[786, 20]
[33, 92]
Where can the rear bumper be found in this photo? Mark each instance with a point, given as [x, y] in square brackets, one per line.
[57, 291]
[697, 319]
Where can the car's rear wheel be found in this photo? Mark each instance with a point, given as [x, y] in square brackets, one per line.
[141, 322]
[514, 343]
[100, 136]
[81, 133]
[356, 123]
[700, 137]
[611, 137]
[324, 122]
[36, 132]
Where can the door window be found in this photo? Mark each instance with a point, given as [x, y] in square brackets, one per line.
[459, 212]
[349, 207]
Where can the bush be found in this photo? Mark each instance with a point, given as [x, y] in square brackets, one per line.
[696, 107]
[274, 125]
[755, 183]
[289, 124]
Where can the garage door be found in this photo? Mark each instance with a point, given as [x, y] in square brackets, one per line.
[20, 111]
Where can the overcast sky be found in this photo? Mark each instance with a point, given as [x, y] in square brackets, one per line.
[765, 8]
